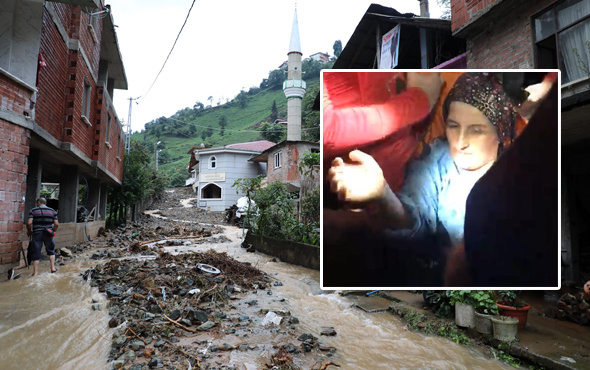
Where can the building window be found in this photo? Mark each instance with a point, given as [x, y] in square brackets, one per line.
[86, 100]
[119, 146]
[211, 191]
[212, 162]
[278, 160]
[562, 39]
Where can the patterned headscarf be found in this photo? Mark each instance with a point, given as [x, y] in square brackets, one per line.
[484, 91]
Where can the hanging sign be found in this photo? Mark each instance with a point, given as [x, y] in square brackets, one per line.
[390, 49]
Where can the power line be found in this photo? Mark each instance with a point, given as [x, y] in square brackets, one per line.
[179, 32]
[215, 128]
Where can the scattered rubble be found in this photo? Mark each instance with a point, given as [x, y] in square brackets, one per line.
[175, 308]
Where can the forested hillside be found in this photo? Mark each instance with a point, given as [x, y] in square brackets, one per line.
[247, 117]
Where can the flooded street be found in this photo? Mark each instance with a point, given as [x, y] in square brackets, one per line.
[48, 322]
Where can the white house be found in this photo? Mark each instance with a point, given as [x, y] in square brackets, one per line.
[216, 169]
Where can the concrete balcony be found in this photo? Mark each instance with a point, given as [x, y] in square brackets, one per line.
[294, 88]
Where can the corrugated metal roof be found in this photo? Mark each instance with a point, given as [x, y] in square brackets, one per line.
[256, 146]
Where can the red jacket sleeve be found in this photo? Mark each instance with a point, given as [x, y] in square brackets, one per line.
[350, 127]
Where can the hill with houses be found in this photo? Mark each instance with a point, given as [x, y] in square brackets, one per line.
[256, 114]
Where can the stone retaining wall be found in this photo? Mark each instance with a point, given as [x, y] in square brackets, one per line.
[300, 254]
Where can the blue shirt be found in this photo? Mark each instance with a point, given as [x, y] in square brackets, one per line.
[434, 195]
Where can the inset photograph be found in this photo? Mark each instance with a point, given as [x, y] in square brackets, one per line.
[440, 179]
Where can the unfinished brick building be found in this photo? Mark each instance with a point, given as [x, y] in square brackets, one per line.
[59, 65]
[544, 34]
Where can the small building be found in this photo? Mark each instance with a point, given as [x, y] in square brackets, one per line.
[215, 170]
[282, 162]
[424, 42]
[320, 57]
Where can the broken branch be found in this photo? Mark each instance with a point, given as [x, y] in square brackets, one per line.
[176, 348]
[179, 324]
[137, 336]
[329, 363]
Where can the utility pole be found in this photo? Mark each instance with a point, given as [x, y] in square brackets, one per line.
[128, 134]
[156, 153]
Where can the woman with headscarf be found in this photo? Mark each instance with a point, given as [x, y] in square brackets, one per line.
[429, 211]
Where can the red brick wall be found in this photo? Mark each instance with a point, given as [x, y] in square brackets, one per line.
[91, 48]
[14, 97]
[464, 10]
[14, 149]
[49, 112]
[509, 42]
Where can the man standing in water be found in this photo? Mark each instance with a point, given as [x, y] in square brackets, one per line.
[41, 225]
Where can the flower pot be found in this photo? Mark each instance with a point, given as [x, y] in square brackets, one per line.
[483, 323]
[520, 313]
[464, 315]
[505, 328]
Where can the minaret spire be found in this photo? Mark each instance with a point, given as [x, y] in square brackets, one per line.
[295, 45]
[294, 86]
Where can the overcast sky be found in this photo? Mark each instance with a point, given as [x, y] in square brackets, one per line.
[224, 47]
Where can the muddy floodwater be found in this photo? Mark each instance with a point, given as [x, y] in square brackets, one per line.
[48, 322]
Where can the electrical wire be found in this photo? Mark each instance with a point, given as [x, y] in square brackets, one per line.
[173, 45]
[230, 130]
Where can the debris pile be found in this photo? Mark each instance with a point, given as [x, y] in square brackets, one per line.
[155, 303]
[575, 308]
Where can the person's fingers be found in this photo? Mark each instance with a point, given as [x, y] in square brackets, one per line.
[360, 157]
[337, 162]
[342, 193]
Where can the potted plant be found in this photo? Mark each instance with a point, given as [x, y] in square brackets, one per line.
[485, 307]
[505, 328]
[464, 312]
[509, 305]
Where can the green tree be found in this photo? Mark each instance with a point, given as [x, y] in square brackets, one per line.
[222, 123]
[274, 112]
[242, 99]
[274, 132]
[177, 178]
[276, 78]
[445, 6]
[208, 132]
[337, 48]
[311, 69]
[139, 181]
[199, 108]
[248, 185]
[310, 117]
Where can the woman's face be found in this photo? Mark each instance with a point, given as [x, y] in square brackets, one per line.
[472, 137]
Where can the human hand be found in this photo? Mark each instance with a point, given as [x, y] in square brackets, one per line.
[359, 181]
[429, 82]
[537, 93]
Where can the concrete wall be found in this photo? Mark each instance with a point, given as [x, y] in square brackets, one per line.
[70, 233]
[138, 208]
[21, 26]
[300, 254]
